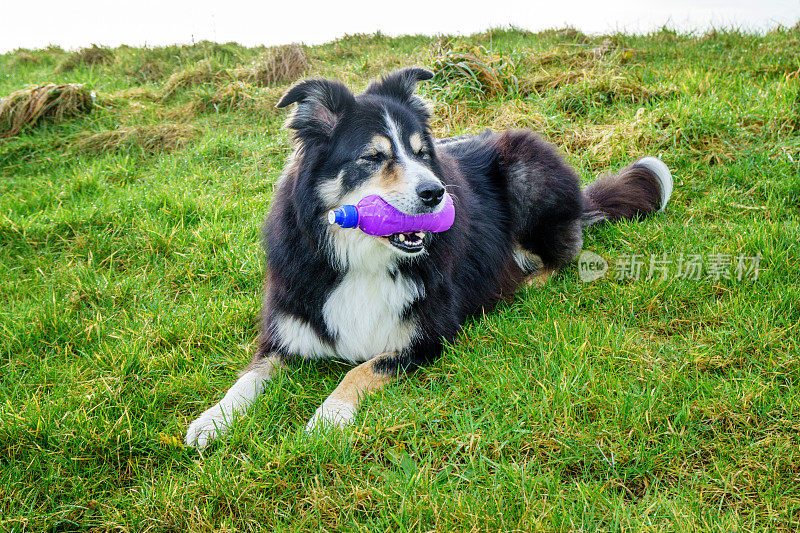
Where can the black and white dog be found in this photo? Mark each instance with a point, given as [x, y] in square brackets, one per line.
[387, 304]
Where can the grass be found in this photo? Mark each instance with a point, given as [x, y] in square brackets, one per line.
[130, 277]
[26, 107]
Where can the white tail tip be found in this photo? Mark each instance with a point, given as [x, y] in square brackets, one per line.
[660, 169]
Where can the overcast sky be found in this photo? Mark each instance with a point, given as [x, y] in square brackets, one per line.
[78, 23]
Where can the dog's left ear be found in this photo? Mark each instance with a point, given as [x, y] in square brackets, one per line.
[320, 106]
[400, 85]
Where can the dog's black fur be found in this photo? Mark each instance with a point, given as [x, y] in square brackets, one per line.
[391, 302]
[519, 212]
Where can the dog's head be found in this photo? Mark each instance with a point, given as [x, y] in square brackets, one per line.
[349, 147]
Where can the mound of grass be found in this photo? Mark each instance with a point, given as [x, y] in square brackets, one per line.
[161, 138]
[475, 69]
[567, 34]
[202, 72]
[236, 96]
[94, 55]
[50, 102]
[147, 71]
[22, 58]
[585, 93]
[281, 64]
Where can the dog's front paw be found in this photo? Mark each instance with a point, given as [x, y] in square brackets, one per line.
[332, 413]
[208, 426]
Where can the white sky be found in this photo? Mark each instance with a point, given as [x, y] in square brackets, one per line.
[79, 23]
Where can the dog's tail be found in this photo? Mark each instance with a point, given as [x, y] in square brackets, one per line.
[638, 190]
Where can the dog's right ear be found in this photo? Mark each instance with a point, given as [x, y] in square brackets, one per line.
[320, 106]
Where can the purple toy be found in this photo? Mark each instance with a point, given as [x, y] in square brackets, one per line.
[374, 216]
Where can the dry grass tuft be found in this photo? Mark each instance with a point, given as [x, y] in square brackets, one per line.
[23, 57]
[95, 55]
[27, 107]
[147, 71]
[135, 97]
[202, 72]
[543, 82]
[571, 34]
[160, 138]
[607, 89]
[582, 56]
[451, 118]
[236, 96]
[605, 141]
[136, 93]
[281, 64]
[477, 69]
[441, 45]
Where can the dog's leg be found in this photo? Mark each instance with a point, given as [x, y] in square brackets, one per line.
[539, 279]
[339, 409]
[216, 421]
[544, 200]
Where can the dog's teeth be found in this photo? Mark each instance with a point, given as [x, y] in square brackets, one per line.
[421, 234]
[401, 237]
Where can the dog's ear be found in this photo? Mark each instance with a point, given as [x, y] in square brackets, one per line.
[400, 85]
[320, 106]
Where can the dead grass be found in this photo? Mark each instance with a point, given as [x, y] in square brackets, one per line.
[202, 72]
[589, 90]
[441, 45]
[236, 96]
[477, 69]
[23, 57]
[567, 33]
[583, 56]
[94, 55]
[160, 138]
[451, 118]
[29, 106]
[546, 81]
[134, 93]
[565, 65]
[147, 71]
[605, 141]
[281, 64]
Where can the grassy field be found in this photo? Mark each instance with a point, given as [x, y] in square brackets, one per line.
[130, 277]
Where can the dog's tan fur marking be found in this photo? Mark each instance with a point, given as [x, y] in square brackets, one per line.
[390, 178]
[539, 278]
[360, 382]
[340, 408]
[380, 144]
[415, 140]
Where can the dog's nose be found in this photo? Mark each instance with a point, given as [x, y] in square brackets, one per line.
[430, 193]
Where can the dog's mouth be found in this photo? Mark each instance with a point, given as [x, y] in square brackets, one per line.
[411, 242]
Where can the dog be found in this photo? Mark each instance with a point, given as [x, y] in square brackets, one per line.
[389, 304]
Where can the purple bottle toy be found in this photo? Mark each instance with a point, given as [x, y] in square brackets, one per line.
[374, 216]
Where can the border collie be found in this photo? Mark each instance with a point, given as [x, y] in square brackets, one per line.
[388, 304]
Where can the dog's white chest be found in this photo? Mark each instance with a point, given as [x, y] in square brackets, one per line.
[365, 314]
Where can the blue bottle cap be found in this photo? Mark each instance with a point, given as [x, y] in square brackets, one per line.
[345, 216]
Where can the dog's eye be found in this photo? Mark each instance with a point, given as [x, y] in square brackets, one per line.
[423, 153]
[377, 157]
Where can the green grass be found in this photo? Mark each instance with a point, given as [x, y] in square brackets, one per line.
[130, 283]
